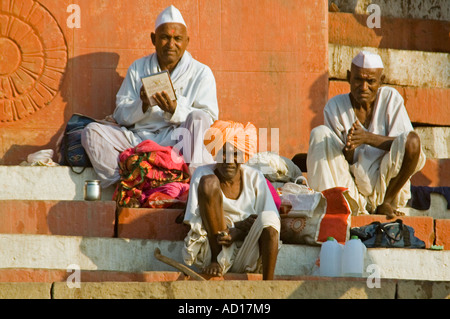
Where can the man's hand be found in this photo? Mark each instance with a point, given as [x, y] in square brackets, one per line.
[164, 102]
[246, 224]
[237, 233]
[356, 137]
[145, 100]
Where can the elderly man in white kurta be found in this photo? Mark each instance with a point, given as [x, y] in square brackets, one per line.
[231, 212]
[367, 143]
[180, 123]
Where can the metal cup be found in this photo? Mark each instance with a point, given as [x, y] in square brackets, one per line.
[92, 190]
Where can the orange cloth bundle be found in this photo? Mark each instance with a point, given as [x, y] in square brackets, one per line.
[244, 138]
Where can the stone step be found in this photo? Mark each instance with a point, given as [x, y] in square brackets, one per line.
[424, 9]
[438, 208]
[401, 67]
[221, 292]
[64, 275]
[150, 223]
[136, 255]
[442, 231]
[52, 217]
[394, 33]
[67, 275]
[101, 219]
[46, 183]
[160, 224]
[435, 173]
[61, 184]
[424, 227]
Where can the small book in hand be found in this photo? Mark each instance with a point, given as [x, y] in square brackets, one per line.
[158, 82]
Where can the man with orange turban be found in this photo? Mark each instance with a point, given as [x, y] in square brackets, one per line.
[244, 138]
[231, 212]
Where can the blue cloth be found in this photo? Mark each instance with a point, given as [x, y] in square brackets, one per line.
[420, 196]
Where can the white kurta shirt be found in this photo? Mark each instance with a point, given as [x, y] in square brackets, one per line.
[195, 88]
[389, 119]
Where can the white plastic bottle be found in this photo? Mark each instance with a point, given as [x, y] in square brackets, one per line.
[330, 258]
[353, 258]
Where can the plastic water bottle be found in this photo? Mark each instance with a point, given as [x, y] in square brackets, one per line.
[331, 258]
[353, 258]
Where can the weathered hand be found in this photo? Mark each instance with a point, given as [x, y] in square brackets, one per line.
[246, 224]
[164, 102]
[226, 238]
[356, 137]
[359, 135]
[145, 100]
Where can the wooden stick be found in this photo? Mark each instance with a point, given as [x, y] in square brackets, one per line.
[169, 261]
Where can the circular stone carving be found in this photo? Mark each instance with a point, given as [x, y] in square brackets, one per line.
[32, 61]
[10, 58]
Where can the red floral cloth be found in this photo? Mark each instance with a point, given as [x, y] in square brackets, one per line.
[152, 176]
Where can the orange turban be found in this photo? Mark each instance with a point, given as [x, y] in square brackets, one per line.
[244, 138]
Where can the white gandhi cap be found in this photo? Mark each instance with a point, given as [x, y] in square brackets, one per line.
[368, 60]
[169, 15]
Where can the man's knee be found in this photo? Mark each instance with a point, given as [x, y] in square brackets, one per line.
[319, 132]
[87, 132]
[198, 115]
[270, 222]
[322, 133]
[270, 232]
[412, 147]
[208, 186]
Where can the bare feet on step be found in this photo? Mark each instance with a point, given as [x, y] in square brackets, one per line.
[213, 269]
[386, 209]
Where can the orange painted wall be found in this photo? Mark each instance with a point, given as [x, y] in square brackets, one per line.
[269, 58]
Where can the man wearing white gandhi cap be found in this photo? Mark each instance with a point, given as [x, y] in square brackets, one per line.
[193, 111]
[169, 15]
[367, 143]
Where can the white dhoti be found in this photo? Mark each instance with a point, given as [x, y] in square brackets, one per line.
[255, 198]
[104, 143]
[328, 168]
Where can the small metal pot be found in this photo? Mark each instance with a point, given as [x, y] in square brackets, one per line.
[92, 190]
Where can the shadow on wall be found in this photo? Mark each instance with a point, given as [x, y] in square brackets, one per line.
[89, 86]
[317, 103]
[318, 99]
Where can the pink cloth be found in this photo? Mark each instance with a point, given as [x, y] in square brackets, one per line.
[174, 190]
[154, 175]
[163, 156]
[275, 195]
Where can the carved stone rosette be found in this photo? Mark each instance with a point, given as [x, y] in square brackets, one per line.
[33, 58]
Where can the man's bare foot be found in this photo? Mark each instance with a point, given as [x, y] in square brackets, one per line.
[213, 269]
[386, 209]
[399, 213]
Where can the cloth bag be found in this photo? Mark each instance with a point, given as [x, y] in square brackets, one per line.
[301, 198]
[71, 151]
[331, 217]
[391, 234]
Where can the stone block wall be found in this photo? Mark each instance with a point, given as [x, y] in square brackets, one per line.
[269, 58]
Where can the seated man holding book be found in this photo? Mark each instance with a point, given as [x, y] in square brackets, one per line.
[367, 143]
[179, 122]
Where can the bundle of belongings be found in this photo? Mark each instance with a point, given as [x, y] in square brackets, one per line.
[307, 217]
[152, 176]
[40, 158]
